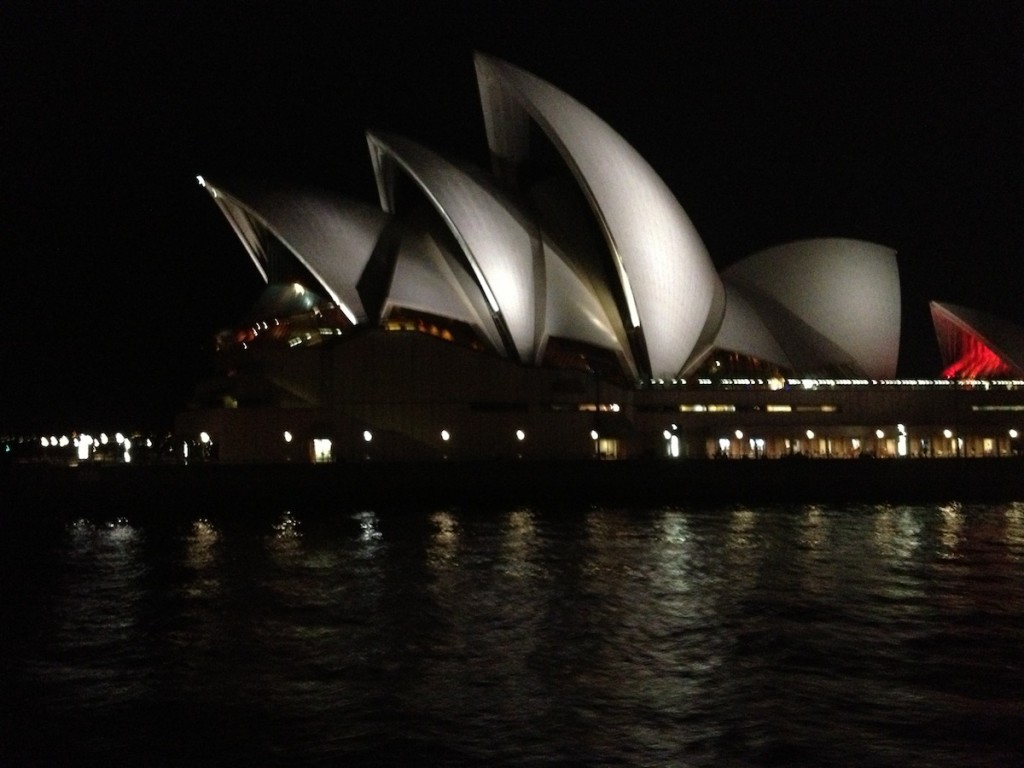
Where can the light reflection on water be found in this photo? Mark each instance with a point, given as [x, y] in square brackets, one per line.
[741, 636]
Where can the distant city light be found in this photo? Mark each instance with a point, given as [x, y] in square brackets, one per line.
[810, 434]
[739, 434]
[204, 437]
[367, 435]
[593, 434]
[287, 436]
[445, 435]
[1013, 434]
[520, 435]
[947, 433]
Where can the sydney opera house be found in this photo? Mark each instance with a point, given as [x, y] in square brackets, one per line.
[563, 305]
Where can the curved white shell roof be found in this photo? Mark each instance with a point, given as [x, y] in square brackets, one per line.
[498, 244]
[743, 330]
[829, 300]
[657, 303]
[332, 238]
[424, 281]
[665, 273]
[573, 311]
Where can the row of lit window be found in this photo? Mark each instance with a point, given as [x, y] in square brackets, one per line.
[770, 408]
[815, 383]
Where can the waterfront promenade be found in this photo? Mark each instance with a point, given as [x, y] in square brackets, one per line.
[372, 483]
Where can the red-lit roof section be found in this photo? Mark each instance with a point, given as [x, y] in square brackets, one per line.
[976, 345]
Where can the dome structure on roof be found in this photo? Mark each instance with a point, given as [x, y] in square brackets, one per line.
[596, 263]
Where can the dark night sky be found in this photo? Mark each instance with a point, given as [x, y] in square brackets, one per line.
[896, 122]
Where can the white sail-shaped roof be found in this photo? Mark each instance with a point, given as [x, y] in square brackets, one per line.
[331, 237]
[666, 277]
[499, 245]
[573, 311]
[425, 280]
[743, 330]
[648, 292]
[827, 301]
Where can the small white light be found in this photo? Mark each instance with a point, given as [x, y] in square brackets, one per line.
[367, 435]
[445, 435]
[879, 434]
[1013, 434]
[810, 434]
[287, 436]
[666, 434]
[593, 434]
[201, 180]
[204, 437]
[520, 435]
[45, 442]
[947, 433]
[739, 434]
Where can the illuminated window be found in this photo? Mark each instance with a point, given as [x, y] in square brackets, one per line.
[321, 450]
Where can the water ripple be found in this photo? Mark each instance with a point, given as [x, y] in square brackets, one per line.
[744, 636]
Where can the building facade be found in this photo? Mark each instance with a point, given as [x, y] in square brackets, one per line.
[562, 305]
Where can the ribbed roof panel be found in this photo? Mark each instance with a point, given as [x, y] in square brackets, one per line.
[665, 273]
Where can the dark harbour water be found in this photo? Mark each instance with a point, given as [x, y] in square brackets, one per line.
[731, 636]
